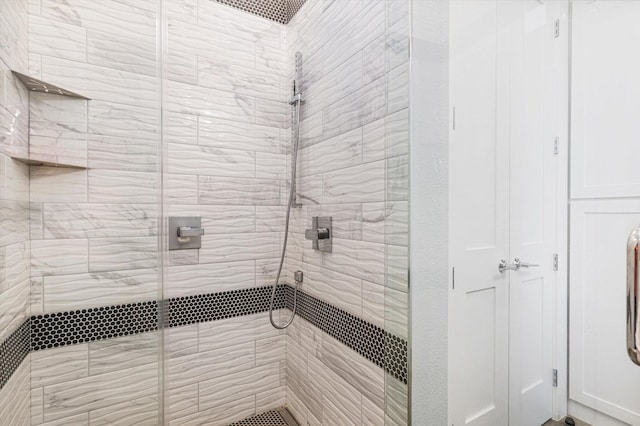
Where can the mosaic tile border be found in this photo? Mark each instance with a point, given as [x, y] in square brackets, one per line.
[378, 346]
[13, 351]
[84, 325]
[276, 10]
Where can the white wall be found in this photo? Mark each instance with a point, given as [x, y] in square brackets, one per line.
[605, 206]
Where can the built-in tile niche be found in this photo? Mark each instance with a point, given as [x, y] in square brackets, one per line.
[57, 125]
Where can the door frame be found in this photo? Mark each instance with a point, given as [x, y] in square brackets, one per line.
[560, 321]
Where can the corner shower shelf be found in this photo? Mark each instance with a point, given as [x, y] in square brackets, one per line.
[36, 85]
[52, 158]
[46, 163]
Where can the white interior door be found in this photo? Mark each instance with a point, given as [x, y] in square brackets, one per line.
[479, 213]
[502, 206]
[534, 120]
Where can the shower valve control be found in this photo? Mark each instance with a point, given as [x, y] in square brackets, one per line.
[185, 233]
[320, 233]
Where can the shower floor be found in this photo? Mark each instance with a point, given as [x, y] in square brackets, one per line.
[279, 417]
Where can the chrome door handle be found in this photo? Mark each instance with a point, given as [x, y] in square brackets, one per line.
[504, 266]
[520, 264]
[633, 287]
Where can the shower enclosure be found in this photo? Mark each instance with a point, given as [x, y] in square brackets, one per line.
[117, 118]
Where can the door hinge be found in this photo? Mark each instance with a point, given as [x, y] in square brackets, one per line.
[556, 145]
[555, 261]
[555, 378]
[557, 29]
[453, 118]
[453, 278]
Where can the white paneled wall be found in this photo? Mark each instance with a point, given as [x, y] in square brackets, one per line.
[14, 202]
[352, 166]
[605, 207]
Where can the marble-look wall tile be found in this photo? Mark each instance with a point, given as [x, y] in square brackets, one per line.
[219, 75]
[362, 374]
[363, 183]
[191, 159]
[206, 278]
[80, 220]
[221, 219]
[189, 99]
[118, 186]
[373, 141]
[56, 135]
[14, 222]
[122, 18]
[397, 133]
[180, 190]
[14, 130]
[14, 180]
[111, 50]
[222, 133]
[15, 397]
[57, 184]
[95, 289]
[339, 152]
[114, 254]
[59, 257]
[113, 119]
[271, 398]
[333, 287]
[98, 391]
[117, 153]
[180, 341]
[224, 390]
[14, 305]
[123, 352]
[238, 191]
[196, 368]
[236, 331]
[102, 83]
[396, 401]
[59, 365]
[180, 128]
[341, 401]
[182, 402]
[138, 412]
[47, 37]
[398, 178]
[221, 415]
[238, 247]
[37, 406]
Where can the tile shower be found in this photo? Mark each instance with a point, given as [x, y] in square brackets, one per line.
[99, 323]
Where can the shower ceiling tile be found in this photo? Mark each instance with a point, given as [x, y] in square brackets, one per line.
[277, 10]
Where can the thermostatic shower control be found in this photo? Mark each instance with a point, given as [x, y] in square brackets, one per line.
[320, 233]
[185, 233]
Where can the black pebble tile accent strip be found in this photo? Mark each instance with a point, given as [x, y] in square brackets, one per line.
[216, 306]
[13, 351]
[372, 342]
[86, 325]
